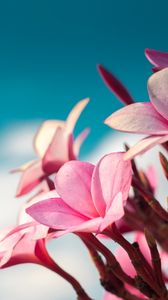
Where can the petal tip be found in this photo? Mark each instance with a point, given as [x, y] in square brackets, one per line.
[100, 68]
[127, 156]
[85, 101]
[107, 120]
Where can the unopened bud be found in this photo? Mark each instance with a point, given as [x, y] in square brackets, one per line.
[115, 85]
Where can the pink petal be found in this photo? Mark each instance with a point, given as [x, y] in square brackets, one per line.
[41, 230]
[144, 145]
[4, 232]
[30, 178]
[55, 213]
[115, 85]
[79, 140]
[152, 177]
[17, 247]
[157, 58]
[164, 260]
[45, 135]
[130, 288]
[141, 240]
[57, 152]
[24, 250]
[125, 262]
[109, 296]
[22, 228]
[92, 226]
[158, 91]
[6, 247]
[138, 118]
[111, 176]
[71, 153]
[23, 167]
[73, 182]
[74, 115]
[114, 213]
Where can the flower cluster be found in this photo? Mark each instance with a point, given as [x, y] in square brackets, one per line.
[106, 200]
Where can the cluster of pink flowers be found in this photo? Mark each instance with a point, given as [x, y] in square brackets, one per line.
[106, 200]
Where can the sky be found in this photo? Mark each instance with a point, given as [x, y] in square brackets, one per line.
[49, 51]
[48, 56]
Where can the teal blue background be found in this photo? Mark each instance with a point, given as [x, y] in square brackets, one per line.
[48, 55]
[49, 51]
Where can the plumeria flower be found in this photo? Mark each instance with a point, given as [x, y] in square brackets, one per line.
[157, 58]
[90, 197]
[149, 118]
[18, 245]
[25, 243]
[54, 145]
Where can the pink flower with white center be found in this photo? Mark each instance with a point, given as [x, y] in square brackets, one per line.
[90, 197]
[149, 118]
[157, 58]
[54, 144]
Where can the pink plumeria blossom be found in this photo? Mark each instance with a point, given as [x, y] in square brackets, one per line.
[17, 245]
[149, 118]
[157, 58]
[54, 145]
[25, 243]
[90, 197]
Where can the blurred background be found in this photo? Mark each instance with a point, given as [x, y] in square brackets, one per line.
[48, 56]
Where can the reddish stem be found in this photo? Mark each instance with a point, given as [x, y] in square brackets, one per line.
[46, 261]
[156, 261]
[138, 261]
[111, 260]
[95, 257]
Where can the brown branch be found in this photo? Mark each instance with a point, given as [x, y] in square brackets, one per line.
[140, 265]
[112, 263]
[156, 261]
